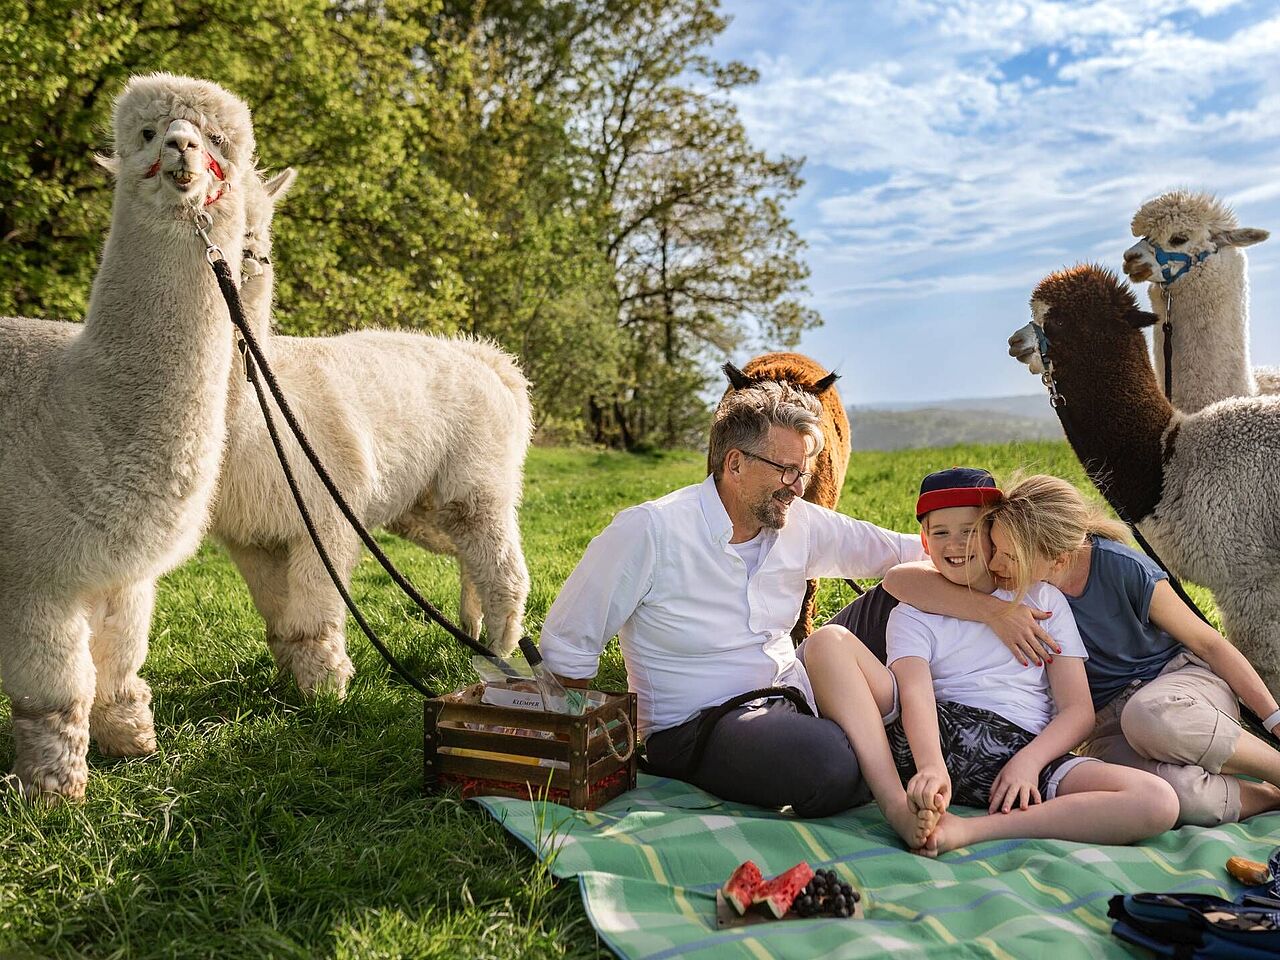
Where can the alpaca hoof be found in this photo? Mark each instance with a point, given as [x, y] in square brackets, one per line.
[46, 788]
[315, 679]
[318, 662]
[124, 728]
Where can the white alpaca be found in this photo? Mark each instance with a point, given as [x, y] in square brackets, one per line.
[1201, 486]
[424, 435]
[112, 433]
[1210, 300]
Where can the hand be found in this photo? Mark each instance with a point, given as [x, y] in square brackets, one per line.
[1018, 627]
[1017, 785]
[930, 788]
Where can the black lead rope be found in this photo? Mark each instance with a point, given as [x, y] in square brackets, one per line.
[255, 359]
[1167, 329]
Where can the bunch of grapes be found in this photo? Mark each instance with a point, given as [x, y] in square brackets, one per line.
[827, 896]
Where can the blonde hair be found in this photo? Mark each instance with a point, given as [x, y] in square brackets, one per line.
[1044, 518]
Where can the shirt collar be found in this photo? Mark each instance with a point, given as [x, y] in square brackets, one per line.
[719, 526]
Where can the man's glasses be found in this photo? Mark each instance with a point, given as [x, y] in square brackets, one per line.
[789, 474]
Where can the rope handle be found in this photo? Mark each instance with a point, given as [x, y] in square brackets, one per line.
[603, 728]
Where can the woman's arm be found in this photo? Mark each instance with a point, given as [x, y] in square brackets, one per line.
[920, 723]
[1016, 624]
[1175, 618]
[1018, 782]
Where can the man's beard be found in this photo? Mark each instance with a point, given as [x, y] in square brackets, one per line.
[771, 511]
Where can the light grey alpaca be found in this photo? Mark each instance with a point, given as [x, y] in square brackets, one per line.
[1201, 486]
[425, 436]
[112, 434]
[1210, 300]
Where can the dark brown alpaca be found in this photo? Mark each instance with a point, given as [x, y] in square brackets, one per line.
[832, 463]
[1204, 487]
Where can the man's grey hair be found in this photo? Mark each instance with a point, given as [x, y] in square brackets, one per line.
[743, 418]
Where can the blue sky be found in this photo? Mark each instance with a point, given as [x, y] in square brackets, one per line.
[959, 151]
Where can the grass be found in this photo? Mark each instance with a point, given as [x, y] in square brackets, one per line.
[268, 825]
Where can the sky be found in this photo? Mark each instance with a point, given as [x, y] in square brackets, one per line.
[957, 152]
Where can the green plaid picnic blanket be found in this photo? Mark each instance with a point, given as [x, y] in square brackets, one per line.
[649, 864]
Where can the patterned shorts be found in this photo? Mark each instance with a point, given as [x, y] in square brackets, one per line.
[976, 744]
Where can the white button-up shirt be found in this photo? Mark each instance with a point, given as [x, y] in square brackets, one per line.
[694, 629]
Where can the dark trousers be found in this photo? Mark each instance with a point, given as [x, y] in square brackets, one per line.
[867, 617]
[770, 756]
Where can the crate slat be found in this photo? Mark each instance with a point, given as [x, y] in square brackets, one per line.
[451, 736]
[477, 768]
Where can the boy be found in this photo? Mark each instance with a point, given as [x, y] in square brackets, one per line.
[970, 712]
[971, 715]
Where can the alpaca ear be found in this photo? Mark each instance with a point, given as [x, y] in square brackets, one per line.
[1140, 318]
[737, 379]
[1243, 237]
[826, 383]
[279, 185]
[108, 163]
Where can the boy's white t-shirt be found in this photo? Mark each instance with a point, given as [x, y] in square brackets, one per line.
[970, 665]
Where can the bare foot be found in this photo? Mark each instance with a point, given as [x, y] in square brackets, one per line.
[950, 833]
[913, 826]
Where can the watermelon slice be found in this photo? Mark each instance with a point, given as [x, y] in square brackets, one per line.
[777, 894]
[740, 888]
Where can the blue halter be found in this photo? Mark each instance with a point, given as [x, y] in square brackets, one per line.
[1042, 344]
[1184, 261]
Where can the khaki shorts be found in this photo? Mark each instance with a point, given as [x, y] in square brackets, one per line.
[1182, 725]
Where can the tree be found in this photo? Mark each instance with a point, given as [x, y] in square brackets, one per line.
[567, 177]
[704, 258]
[334, 92]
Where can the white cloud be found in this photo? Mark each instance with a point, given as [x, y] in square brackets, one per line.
[984, 176]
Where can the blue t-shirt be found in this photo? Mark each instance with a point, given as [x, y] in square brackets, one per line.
[1112, 616]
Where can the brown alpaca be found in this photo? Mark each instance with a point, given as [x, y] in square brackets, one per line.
[1201, 486]
[831, 464]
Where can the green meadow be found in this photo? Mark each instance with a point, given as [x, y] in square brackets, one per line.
[271, 826]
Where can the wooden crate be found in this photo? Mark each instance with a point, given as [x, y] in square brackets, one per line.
[578, 765]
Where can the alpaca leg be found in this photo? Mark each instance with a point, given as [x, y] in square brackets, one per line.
[470, 607]
[804, 626]
[487, 538]
[309, 637]
[418, 526]
[266, 574]
[48, 675]
[119, 623]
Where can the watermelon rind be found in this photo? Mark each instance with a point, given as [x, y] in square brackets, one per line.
[740, 889]
[779, 893]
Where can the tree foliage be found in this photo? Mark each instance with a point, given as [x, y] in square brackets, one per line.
[568, 178]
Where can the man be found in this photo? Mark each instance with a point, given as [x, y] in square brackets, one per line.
[702, 588]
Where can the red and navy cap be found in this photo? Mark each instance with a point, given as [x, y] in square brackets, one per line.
[957, 487]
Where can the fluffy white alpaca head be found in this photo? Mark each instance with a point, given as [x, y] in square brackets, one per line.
[180, 145]
[261, 197]
[1198, 225]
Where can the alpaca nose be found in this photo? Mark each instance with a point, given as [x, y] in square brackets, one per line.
[1132, 255]
[182, 136]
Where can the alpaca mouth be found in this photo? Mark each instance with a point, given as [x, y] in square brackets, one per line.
[1137, 272]
[182, 178]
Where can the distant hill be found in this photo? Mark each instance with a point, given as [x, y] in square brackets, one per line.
[899, 426]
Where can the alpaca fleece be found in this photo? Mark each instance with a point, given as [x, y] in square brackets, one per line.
[112, 435]
[1201, 486]
[425, 436]
[1210, 303]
